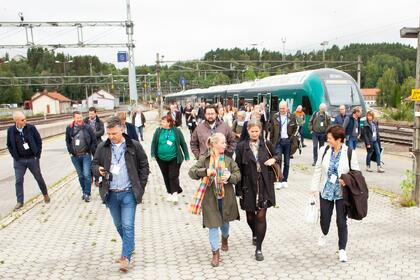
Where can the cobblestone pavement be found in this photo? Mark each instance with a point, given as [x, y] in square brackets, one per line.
[71, 239]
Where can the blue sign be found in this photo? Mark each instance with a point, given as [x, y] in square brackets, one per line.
[122, 56]
[183, 81]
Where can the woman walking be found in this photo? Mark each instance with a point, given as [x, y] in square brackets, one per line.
[300, 119]
[192, 121]
[217, 174]
[328, 170]
[169, 149]
[254, 157]
[372, 141]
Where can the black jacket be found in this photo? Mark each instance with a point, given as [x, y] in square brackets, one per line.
[367, 133]
[34, 140]
[89, 135]
[132, 131]
[247, 187]
[100, 130]
[143, 119]
[137, 166]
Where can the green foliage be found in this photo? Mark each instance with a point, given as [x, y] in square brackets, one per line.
[404, 112]
[389, 95]
[407, 186]
[408, 84]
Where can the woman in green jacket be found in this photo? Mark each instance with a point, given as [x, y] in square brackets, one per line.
[218, 174]
[169, 149]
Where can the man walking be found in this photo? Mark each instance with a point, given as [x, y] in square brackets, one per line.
[81, 144]
[124, 168]
[283, 127]
[210, 126]
[96, 124]
[339, 119]
[318, 125]
[139, 121]
[128, 128]
[25, 145]
[352, 127]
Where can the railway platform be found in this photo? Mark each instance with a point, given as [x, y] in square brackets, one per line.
[72, 239]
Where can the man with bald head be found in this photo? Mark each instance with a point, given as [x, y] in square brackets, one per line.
[339, 119]
[25, 145]
[283, 127]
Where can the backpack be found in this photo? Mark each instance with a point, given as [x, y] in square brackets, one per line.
[357, 198]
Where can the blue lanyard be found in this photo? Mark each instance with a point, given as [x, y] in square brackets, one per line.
[282, 123]
[22, 136]
[120, 151]
[168, 134]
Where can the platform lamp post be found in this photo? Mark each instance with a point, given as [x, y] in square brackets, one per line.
[414, 32]
[64, 65]
[324, 44]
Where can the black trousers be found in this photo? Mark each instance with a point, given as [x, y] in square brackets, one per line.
[21, 166]
[170, 172]
[327, 208]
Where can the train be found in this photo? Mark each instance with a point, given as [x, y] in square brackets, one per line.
[307, 88]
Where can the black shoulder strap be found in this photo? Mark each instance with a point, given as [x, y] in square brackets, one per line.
[325, 152]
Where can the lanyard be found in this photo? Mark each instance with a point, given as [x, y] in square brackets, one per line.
[120, 151]
[168, 134]
[22, 136]
[282, 123]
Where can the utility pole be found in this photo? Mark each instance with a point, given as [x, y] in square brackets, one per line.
[283, 57]
[323, 44]
[359, 70]
[414, 32]
[131, 65]
[158, 89]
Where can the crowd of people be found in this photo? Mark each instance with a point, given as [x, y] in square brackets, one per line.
[241, 152]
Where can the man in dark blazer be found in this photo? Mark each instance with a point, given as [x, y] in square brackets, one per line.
[129, 128]
[25, 145]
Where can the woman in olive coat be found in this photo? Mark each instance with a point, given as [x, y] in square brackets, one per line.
[254, 157]
[219, 206]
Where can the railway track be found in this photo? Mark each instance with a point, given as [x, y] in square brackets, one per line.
[394, 133]
[37, 120]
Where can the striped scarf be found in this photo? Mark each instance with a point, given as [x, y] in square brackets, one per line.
[218, 166]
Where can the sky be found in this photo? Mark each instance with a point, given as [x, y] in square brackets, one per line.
[187, 29]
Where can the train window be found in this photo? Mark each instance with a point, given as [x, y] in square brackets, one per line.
[274, 103]
[255, 100]
[306, 105]
[241, 102]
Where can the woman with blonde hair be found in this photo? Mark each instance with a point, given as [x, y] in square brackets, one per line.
[215, 195]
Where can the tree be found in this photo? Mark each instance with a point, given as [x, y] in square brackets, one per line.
[250, 74]
[408, 84]
[389, 95]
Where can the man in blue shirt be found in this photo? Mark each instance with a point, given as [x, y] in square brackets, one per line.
[122, 164]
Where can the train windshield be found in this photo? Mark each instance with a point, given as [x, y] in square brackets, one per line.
[342, 92]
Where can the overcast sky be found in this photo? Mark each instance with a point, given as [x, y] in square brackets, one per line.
[186, 29]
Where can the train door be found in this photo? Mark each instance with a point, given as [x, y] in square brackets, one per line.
[260, 97]
[235, 101]
[267, 102]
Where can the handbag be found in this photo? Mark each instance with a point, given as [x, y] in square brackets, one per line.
[276, 167]
[311, 214]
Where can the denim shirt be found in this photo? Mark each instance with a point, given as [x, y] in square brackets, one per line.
[332, 191]
[122, 180]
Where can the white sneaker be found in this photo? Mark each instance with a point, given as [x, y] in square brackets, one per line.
[169, 197]
[342, 255]
[278, 185]
[322, 241]
[175, 197]
[284, 185]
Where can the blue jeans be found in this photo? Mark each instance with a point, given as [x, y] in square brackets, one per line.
[374, 148]
[83, 165]
[301, 135]
[317, 138]
[140, 131]
[283, 148]
[122, 206]
[351, 142]
[20, 169]
[214, 232]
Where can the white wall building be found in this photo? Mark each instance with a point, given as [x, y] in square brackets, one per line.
[50, 103]
[103, 100]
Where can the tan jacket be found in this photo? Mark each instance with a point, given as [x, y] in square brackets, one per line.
[203, 132]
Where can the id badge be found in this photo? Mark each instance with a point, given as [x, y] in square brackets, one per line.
[115, 169]
[169, 142]
[374, 135]
[77, 142]
[333, 178]
[357, 130]
[321, 124]
[26, 146]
